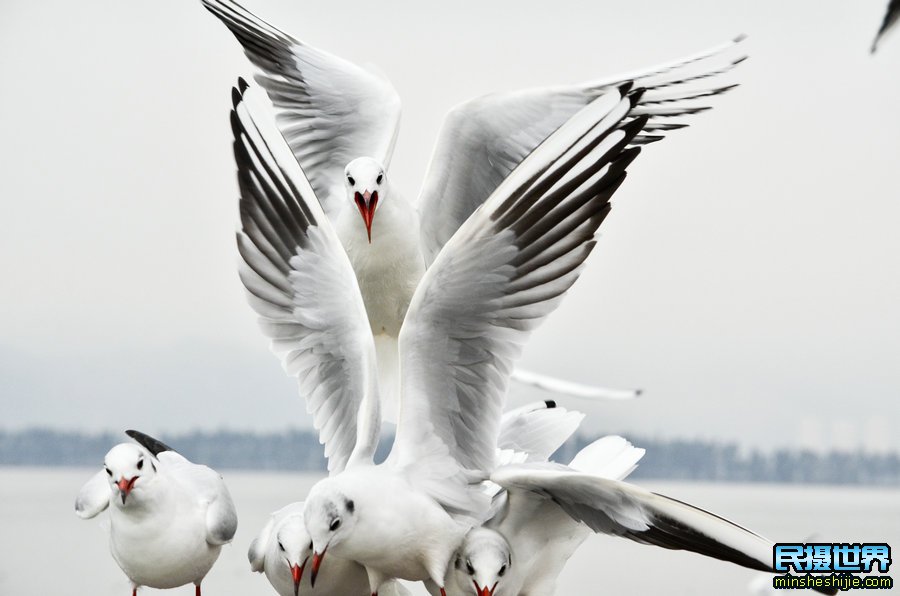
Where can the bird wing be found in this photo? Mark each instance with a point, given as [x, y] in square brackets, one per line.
[891, 16]
[329, 110]
[482, 140]
[570, 388]
[503, 271]
[301, 284]
[613, 507]
[93, 498]
[152, 445]
[537, 429]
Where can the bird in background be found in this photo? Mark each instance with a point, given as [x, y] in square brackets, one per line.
[169, 517]
[499, 276]
[890, 20]
[342, 121]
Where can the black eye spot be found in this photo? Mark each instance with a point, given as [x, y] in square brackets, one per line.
[350, 505]
[280, 546]
[351, 180]
[502, 571]
[108, 472]
[469, 567]
[335, 524]
[310, 545]
[140, 464]
[378, 180]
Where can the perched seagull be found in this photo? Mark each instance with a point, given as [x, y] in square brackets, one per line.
[505, 269]
[169, 517]
[890, 19]
[283, 548]
[341, 122]
[526, 544]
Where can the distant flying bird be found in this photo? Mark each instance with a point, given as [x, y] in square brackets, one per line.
[169, 517]
[890, 19]
[341, 122]
[502, 273]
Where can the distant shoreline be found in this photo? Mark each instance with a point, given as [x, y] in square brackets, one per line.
[299, 451]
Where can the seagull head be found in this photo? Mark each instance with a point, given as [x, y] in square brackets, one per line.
[366, 182]
[293, 546]
[128, 466]
[329, 516]
[482, 561]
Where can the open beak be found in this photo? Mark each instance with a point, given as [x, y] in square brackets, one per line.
[125, 487]
[317, 561]
[297, 574]
[366, 203]
[484, 591]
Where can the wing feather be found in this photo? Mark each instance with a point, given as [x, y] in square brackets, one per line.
[483, 140]
[301, 284]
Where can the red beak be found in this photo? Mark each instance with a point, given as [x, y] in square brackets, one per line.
[297, 573]
[125, 487]
[317, 561]
[366, 204]
[484, 591]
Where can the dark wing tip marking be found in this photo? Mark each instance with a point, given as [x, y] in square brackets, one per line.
[242, 84]
[550, 403]
[152, 445]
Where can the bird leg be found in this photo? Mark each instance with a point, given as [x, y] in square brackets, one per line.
[134, 591]
[443, 593]
[197, 591]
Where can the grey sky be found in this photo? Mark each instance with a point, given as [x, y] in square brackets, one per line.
[747, 277]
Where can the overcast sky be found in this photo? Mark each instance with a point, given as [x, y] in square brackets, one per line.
[747, 278]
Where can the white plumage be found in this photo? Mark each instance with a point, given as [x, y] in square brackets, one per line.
[169, 517]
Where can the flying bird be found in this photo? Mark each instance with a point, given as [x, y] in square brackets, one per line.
[505, 269]
[169, 517]
[341, 122]
[890, 19]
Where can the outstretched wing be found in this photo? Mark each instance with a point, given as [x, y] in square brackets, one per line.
[329, 110]
[482, 140]
[300, 282]
[503, 271]
[890, 19]
[537, 429]
[613, 507]
[93, 498]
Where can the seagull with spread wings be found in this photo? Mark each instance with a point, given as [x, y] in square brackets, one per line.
[496, 279]
[341, 122]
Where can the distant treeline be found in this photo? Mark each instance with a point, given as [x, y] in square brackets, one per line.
[300, 451]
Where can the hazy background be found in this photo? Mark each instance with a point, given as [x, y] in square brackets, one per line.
[747, 278]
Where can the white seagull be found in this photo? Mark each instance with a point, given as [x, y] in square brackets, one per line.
[504, 270]
[341, 122]
[169, 517]
[282, 550]
[283, 547]
[526, 544]
[551, 509]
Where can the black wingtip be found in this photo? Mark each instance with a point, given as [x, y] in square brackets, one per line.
[235, 97]
[624, 88]
[636, 95]
[550, 404]
[242, 84]
[147, 442]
